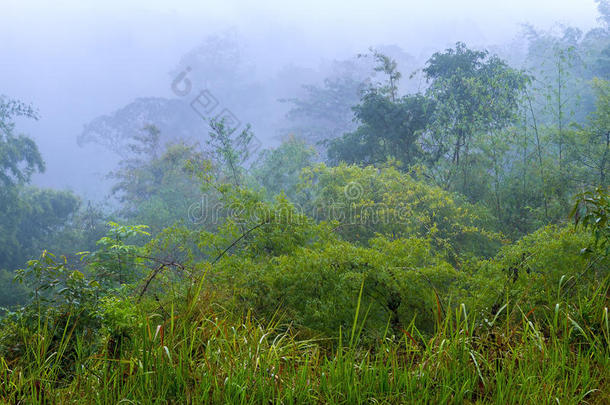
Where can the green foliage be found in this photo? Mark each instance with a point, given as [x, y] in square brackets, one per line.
[542, 269]
[33, 220]
[475, 95]
[76, 298]
[590, 146]
[325, 111]
[57, 281]
[386, 278]
[591, 212]
[369, 201]
[155, 187]
[19, 155]
[230, 149]
[559, 62]
[278, 170]
[315, 287]
[19, 159]
[52, 282]
[115, 262]
[201, 354]
[10, 292]
[389, 129]
[265, 229]
[64, 301]
[389, 67]
[394, 293]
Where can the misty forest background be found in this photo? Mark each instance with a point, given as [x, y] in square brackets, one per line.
[387, 226]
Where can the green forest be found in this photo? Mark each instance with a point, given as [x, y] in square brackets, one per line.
[446, 245]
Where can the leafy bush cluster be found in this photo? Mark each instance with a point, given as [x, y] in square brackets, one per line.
[425, 260]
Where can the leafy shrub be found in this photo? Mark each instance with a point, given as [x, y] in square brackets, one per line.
[539, 271]
[317, 288]
[367, 201]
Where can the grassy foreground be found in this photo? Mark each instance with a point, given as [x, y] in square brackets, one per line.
[200, 354]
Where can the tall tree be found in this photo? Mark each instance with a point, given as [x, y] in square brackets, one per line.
[389, 129]
[389, 125]
[324, 111]
[30, 217]
[591, 144]
[475, 94]
[19, 155]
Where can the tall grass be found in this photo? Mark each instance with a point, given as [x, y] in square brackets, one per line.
[201, 354]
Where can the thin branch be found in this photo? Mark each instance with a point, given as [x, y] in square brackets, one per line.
[243, 235]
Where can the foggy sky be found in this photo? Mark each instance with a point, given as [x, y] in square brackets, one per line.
[75, 60]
